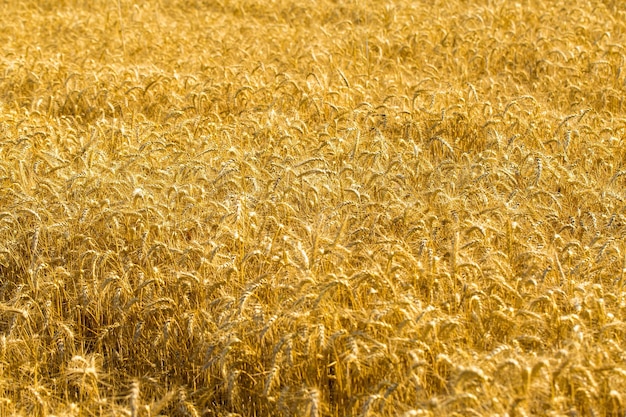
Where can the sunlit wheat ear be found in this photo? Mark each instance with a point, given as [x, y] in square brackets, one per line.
[313, 398]
[272, 379]
[154, 409]
[469, 375]
[418, 413]
[615, 403]
[369, 403]
[84, 374]
[133, 399]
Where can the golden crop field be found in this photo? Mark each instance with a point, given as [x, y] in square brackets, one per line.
[312, 208]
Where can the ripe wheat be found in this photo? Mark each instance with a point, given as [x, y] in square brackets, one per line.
[340, 208]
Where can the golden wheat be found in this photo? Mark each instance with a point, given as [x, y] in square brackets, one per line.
[287, 208]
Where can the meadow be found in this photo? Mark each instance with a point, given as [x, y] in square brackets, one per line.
[312, 208]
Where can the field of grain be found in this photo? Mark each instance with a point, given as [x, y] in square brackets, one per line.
[312, 208]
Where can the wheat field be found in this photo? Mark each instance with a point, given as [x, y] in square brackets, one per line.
[312, 208]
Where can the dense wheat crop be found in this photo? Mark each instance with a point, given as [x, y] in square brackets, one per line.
[312, 208]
